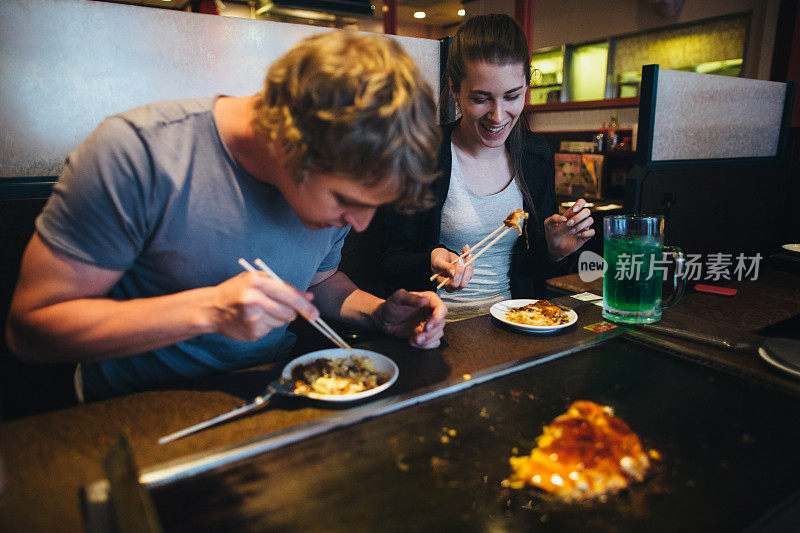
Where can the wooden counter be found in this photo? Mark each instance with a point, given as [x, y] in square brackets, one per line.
[49, 457]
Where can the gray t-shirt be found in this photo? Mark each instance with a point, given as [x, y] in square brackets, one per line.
[154, 192]
[467, 218]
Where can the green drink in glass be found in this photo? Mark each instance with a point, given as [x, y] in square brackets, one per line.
[634, 251]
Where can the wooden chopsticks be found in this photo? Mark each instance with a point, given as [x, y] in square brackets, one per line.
[460, 257]
[503, 229]
[320, 324]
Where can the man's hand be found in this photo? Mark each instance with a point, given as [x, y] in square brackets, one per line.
[250, 305]
[418, 316]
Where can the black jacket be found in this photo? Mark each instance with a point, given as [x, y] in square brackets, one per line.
[409, 239]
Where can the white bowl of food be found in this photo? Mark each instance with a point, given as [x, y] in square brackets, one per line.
[338, 375]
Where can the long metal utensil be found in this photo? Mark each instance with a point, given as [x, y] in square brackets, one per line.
[781, 353]
[275, 387]
[705, 338]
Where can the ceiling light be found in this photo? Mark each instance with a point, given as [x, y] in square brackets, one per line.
[419, 14]
[462, 12]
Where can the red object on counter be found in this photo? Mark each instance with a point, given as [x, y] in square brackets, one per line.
[724, 291]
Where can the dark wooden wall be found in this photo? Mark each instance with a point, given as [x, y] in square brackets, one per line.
[25, 389]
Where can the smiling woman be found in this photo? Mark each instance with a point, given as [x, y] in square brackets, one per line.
[491, 164]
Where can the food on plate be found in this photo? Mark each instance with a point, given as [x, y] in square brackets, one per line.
[339, 375]
[516, 219]
[583, 454]
[540, 313]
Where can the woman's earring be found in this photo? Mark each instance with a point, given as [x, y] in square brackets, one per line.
[458, 108]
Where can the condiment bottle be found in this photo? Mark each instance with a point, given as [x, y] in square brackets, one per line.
[612, 133]
[600, 139]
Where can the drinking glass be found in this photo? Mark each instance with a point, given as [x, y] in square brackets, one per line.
[636, 267]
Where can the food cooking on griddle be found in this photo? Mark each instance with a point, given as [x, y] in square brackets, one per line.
[339, 375]
[516, 219]
[583, 454]
[540, 313]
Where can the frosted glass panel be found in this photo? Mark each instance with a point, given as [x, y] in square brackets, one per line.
[703, 116]
[683, 47]
[587, 79]
[68, 64]
[547, 75]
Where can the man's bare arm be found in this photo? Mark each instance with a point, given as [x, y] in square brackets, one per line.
[60, 312]
[337, 297]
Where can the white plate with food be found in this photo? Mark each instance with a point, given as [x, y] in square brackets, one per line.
[538, 316]
[337, 375]
[793, 247]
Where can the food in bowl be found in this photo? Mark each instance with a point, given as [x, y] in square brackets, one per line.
[337, 376]
[540, 313]
[586, 453]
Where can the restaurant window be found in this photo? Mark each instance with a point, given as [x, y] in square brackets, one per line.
[587, 72]
[713, 47]
[613, 68]
[547, 74]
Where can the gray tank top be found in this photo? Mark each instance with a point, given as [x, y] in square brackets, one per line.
[466, 219]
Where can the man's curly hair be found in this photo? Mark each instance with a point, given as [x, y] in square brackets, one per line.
[355, 106]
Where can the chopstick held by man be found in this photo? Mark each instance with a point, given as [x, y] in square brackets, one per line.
[132, 269]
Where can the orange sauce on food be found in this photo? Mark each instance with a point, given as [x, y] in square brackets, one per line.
[584, 453]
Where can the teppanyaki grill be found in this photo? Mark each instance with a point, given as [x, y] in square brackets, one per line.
[728, 443]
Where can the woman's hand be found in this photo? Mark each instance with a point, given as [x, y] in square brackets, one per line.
[568, 232]
[458, 276]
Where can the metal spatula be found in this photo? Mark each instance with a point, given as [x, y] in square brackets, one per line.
[280, 386]
[780, 352]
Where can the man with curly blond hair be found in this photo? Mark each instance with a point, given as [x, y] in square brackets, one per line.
[132, 271]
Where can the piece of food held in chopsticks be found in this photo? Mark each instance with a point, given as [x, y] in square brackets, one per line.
[585, 453]
[516, 219]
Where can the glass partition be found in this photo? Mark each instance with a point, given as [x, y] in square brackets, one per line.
[587, 72]
[613, 68]
[547, 75]
[713, 47]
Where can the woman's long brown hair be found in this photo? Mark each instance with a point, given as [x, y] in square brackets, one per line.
[496, 39]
